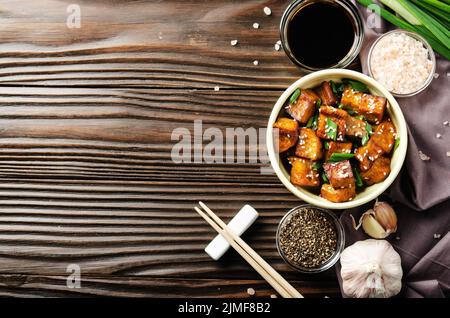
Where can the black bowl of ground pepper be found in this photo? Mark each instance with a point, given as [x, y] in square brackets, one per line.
[310, 239]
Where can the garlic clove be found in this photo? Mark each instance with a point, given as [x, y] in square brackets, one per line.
[385, 215]
[372, 227]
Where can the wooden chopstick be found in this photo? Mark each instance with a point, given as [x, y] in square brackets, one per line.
[283, 292]
[253, 254]
[262, 267]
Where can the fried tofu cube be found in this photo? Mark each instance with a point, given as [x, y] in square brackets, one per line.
[303, 173]
[379, 171]
[355, 127]
[340, 174]
[287, 133]
[325, 132]
[309, 145]
[337, 116]
[333, 112]
[326, 94]
[370, 106]
[384, 136]
[337, 195]
[305, 105]
[381, 142]
[338, 147]
[367, 154]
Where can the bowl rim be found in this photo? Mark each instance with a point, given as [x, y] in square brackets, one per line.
[353, 52]
[340, 243]
[401, 128]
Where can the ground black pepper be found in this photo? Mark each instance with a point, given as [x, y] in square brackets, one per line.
[308, 237]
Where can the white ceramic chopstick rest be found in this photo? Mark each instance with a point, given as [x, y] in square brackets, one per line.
[239, 224]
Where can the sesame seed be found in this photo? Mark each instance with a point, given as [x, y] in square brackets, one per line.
[279, 42]
[267, 11]
[448, 153]
[216, 88]
[423, 156]
[438, 136]
[436, 75]
[255, 25]
[250, 291]
[437, 236]
[446, 123]
[273, 296]
[234, 42]
[255, 62]
[277, 47]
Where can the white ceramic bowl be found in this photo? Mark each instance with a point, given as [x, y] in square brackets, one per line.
[369, 193]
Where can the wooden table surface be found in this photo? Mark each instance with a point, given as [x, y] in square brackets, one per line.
[86, 117]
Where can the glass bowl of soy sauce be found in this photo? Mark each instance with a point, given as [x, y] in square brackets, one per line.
[321, 34]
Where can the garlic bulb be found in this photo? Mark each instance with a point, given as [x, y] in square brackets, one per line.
[371, 268]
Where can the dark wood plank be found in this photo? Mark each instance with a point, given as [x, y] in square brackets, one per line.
[55, 286]
[120, 134]
[143, 43]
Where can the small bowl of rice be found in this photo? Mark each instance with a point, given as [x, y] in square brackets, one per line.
[403, 62]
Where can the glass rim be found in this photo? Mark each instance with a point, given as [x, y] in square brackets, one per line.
[352, 53]
[340, 242]
[425, 43]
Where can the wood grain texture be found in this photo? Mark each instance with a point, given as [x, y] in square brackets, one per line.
[86, 118]
[143, 43]
[55, 286]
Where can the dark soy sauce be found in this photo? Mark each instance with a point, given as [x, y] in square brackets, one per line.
[320, 34]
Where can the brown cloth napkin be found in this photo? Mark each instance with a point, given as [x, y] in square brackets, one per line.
[421, 193]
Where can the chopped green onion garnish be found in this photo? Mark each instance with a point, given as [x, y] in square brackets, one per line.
[294, 96]
[369, 128]
[360, 117]
[350, 111]
[331, 129]
[367, 135]
[327, 145]
[336, 157]
[340, 88]
[319, 103]
[359, 182]
[315, 121]
[325, 178]
[312, 122]
[356, 85]
[316, 165]
[365, 139]
[333, 87]
[397, 143]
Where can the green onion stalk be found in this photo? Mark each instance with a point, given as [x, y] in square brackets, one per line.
[429, 18]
